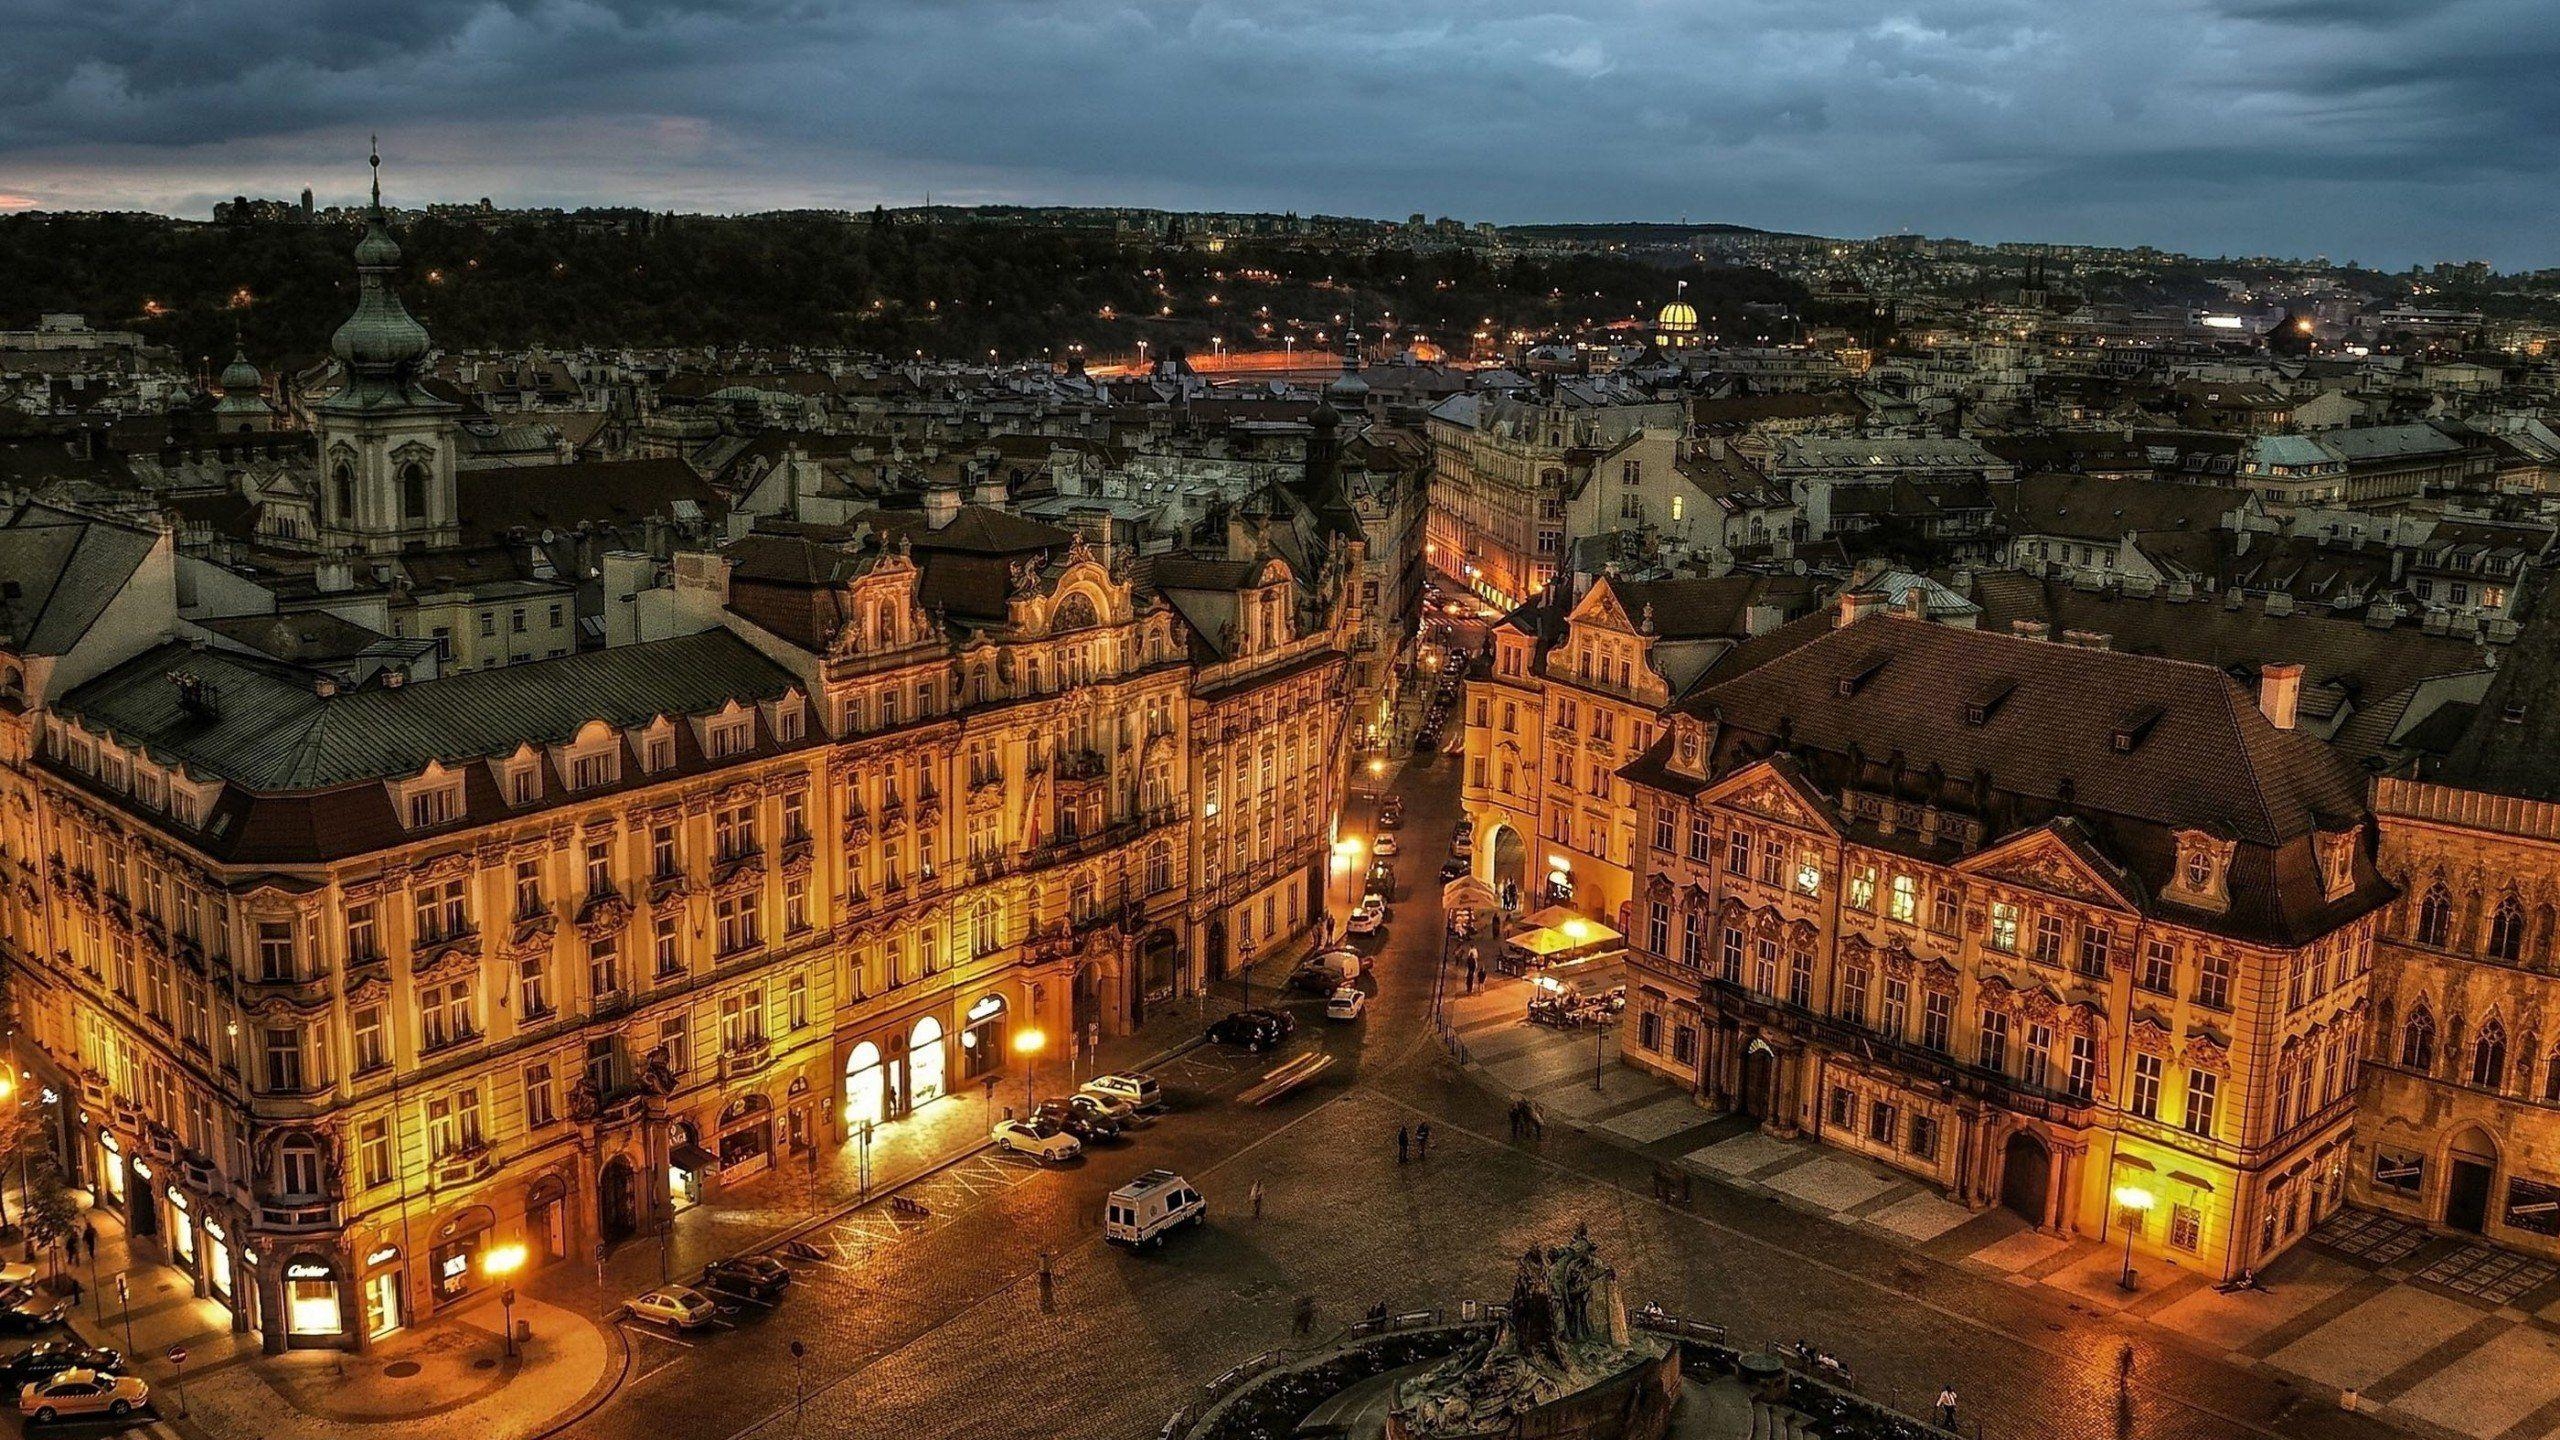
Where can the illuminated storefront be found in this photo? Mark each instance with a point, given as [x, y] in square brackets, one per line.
[866, 1088]
[311, 1300]
[453, 1266]
[385, 1292]
[982, 1040]
[924, 1062]
[746, 1138]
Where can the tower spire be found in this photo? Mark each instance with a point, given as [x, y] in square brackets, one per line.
[375, 160]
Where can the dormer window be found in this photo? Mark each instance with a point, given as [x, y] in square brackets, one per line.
[727, 735]
[524, 782]
[593, 759]
[2203, 875]
[435, 805]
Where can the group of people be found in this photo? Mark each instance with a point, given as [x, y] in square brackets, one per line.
[1413, 1142]
[1527, 1123]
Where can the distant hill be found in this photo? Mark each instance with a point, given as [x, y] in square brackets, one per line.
[1641, 232]
[952, 289]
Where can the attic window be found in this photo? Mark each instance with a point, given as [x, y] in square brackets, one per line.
[2515, 712]
[2135, 727]
[1852, 679]
[1979, 709]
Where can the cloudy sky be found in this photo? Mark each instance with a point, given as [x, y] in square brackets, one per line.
[2388, 131]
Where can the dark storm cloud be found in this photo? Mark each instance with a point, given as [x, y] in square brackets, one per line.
[2384, 129]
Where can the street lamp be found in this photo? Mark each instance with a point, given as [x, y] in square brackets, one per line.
[1348, 850]
[1028, 1045]
[2136, 1202]
[501, 1265]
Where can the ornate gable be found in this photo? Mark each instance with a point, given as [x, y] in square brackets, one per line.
[1603, 608]
[2046, 859]
[1772, 791]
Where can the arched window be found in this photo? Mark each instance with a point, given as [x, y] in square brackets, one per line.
[2506, 931]
[2435, 916]
[298, 1169]
[2418, 1041]
[413, 493]
[2489, 1056]
[2551, 1076]
[342, 485]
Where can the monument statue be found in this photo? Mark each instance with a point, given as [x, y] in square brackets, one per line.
[1562, 1363]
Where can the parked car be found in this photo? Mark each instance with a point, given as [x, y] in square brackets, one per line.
[1453, 867]
[679, 1307]
[1087, 1126]
[24, 1309]
[1346, 1003]
[1426, 742]
[1386, 846]
[1250, 1029]
[1032, 1138]
[1382, 878]
[52, 1357]
[15, 1273]
[1118, 1112]
[756, 1275]
[83, 1392]
[1140, 1212]
[1463, 847]
[1371, 917]
[1390, 818]
[1128, 1087]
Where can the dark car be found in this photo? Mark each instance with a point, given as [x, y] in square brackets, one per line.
[1453, 867]
[752, 1275]
[24, 1309]
[1255, 1029]
[1087, 1125]
[1425, 743]
[47, 1358]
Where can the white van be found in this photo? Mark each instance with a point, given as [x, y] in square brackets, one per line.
[1139, 1212]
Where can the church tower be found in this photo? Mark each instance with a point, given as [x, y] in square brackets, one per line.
[387, 445]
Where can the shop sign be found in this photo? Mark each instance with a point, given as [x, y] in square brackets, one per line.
[142, 1168]
[989, 1005]
[177, 1202]
[107, 1139]
[214, 1229]
[383, 1256]
[307, 1270]
[249, 1256]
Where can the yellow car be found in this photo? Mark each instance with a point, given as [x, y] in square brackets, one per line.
[83, 1392]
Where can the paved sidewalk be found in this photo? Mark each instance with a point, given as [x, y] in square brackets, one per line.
[2428, 1333]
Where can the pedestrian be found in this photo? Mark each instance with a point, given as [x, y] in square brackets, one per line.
[1404, 1138]
[89, 1240]
[1537, 1122]
[1515, 1119]
[1946, 1407]
[1422, 1141]
[1303, 1324]
[72, 1286]
[1048, 1285]
[1257, 1199]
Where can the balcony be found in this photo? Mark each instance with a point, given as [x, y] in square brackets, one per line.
[295, 1216]
[748, 1057]
[463, 1166]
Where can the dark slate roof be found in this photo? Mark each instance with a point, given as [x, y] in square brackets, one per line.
[977, 529]
[58, 571]
[618, 494]
[2209, 760]
[1697, 609]
[2087, 508]
[272, 732]
[2512, 746]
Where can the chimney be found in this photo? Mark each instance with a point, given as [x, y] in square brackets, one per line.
[1855, 607]
[941, 505]
[2280, 693]
[2087, 639]
[2029, 629]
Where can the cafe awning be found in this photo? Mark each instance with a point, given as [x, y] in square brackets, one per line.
[1556, 933]
[689, 1156]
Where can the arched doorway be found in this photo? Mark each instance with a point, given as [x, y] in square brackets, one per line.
[2026, 1175]
[1759, 1080]
[983, 1040]
[866, 1088]
[2471, 1166]
[618, 1200]
[1509, 865]
[924, 1062]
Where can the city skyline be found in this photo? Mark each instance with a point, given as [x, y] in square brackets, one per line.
[2281, 127]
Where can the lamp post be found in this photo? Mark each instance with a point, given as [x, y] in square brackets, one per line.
[1348, 851]
[501, 1264]
[2135, 1202]
[1028, 1045]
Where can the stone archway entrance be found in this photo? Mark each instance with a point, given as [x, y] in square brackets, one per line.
[2471, 1167]
[618, 1201]
[2026, 1177]
[1508, 865]
[1758, 1097]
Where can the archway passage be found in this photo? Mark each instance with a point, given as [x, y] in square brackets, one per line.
[866, 1088]
[2026, 1176]
[2471, 1168]
[1759, 1080]
[1509, 869]
[618, 1201]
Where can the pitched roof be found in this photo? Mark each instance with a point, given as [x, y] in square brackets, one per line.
[58, 573]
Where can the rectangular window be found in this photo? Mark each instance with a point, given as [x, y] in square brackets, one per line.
[1737, 854]
[604, 965]
[364, 940]
[734, 918]
[2145, 1097]
[1662, 824]
[1994, 1049]
[1698, 838]
[2049, 937]
[1764, 967]
[1844, 1108]
[373, 1153]
[1773, 861]
[1862, 887]
[1800, 978]
[2082, 1081]
[2159, 972]
[2004, 927]
[1937, 1020]
[1906, 899]
[370, 1053]
[2203, 1090]
[1897, 1006]
[1853, 994]
[2213, 981]
[2186, 1228]
[284, 1060]
[1883, 1120]
[2097, 946]
[673, 1045]
[1729, 957]
[1946, 905]
[664, 861]
[2036, 1067]
[1657, 928]
[533, 986]
[662, 947]
[442, 909]
[1924, 1137]
[540, 1104]
[528, 888]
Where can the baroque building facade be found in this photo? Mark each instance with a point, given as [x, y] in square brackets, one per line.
[1907, 889]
